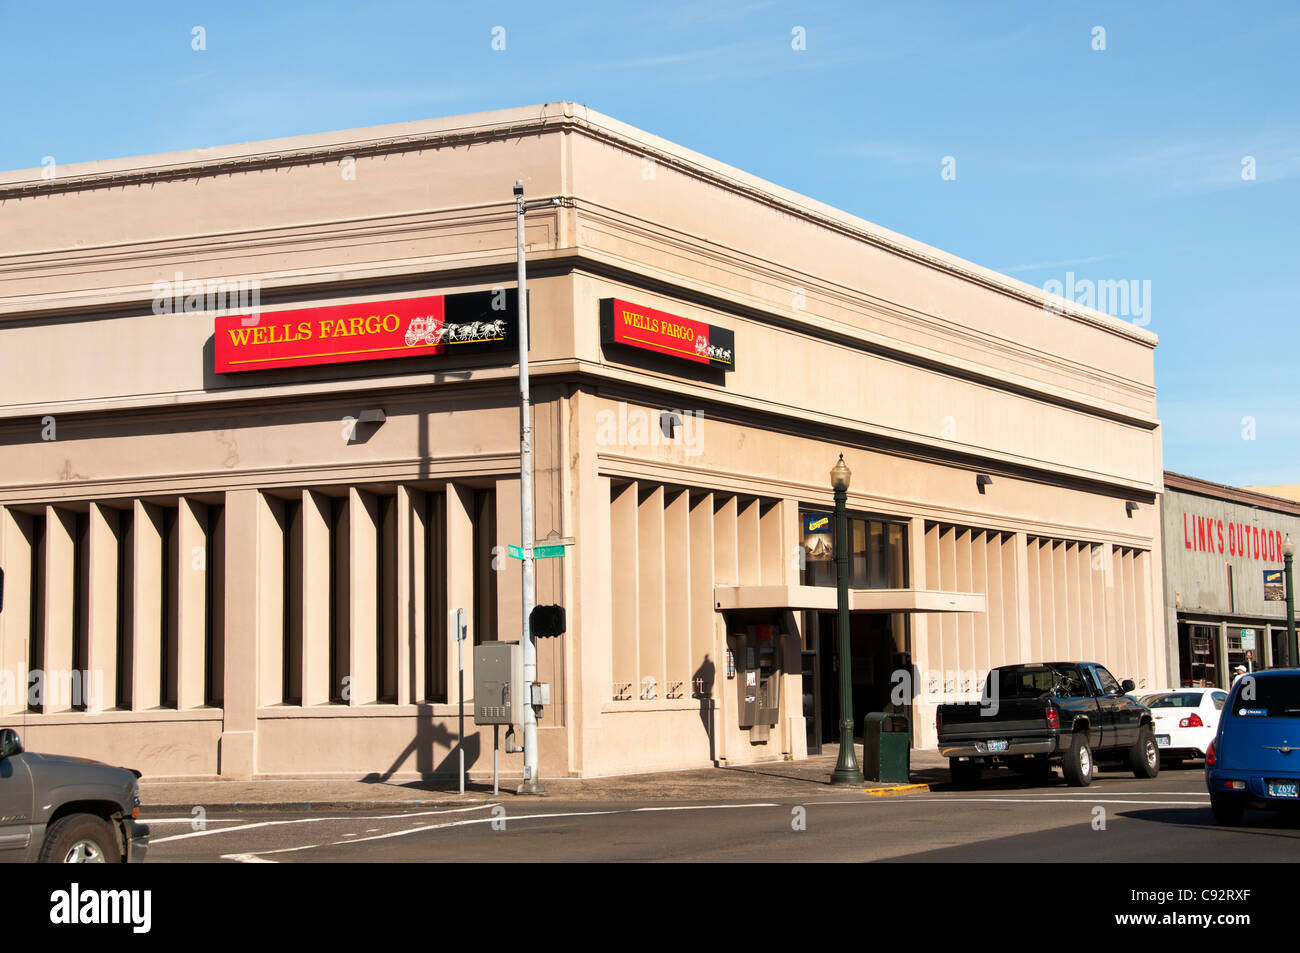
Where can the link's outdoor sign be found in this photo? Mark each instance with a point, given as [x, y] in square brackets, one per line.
[373, 331]
[633, 325]
[1208, 535]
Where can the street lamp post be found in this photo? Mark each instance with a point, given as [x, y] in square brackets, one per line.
[846, 769]
[1288, 552]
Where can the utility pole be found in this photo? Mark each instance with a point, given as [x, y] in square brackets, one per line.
[531, 783]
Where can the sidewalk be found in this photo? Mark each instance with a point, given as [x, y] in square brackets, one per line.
[772, 780]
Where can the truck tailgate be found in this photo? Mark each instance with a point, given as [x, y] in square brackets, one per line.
[1010, 717]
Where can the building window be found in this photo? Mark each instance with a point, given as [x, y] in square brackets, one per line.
[877, 553]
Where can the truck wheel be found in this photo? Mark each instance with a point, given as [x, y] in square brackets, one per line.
[80, 839]
[1227, 811]
[1144, 756]
[1077, 766]
[965, 774]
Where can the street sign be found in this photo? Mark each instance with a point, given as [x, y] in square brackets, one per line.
[1248, 638]
[539, 552]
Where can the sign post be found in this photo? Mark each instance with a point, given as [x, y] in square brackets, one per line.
[531, 784]
[458, 627]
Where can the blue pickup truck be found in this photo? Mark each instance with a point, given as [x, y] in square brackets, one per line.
[1032, 717]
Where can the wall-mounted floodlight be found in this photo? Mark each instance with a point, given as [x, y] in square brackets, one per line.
[1130, 507]
[372, 415]
[982, 480]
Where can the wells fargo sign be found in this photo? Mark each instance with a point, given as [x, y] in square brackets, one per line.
[373, 331]
[622, 322]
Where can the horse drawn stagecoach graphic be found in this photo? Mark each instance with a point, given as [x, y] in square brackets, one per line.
[431, 331]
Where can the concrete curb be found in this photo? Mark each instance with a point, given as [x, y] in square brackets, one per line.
[898, 789]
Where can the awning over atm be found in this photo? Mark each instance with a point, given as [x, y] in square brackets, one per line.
[823, 599]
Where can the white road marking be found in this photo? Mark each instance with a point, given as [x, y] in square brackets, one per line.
[247, 859]
[1054, 800]
[153, 842]
[518, 817]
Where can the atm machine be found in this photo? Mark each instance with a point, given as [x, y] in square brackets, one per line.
[757, 657]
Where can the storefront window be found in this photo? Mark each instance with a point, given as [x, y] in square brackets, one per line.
[877, 553]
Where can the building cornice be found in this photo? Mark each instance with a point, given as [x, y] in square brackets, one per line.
[1220, 491]
[519, 124]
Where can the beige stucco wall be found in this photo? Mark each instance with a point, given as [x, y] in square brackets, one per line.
[921, 368]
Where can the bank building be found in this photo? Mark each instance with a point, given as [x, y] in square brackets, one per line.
[259, 438]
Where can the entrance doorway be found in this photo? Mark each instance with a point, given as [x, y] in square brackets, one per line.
[879, 645]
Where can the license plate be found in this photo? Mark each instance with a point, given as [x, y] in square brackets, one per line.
[996, 745]
[1162, 741]
[1282, 789]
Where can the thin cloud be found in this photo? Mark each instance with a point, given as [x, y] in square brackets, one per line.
[1062, 263]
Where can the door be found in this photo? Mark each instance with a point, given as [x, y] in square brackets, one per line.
[15, 807]
[1121, 715]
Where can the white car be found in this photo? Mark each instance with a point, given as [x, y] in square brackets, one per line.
[1185, 720]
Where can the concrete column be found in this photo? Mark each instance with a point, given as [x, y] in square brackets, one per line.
[749, 544]
[412, 573]
[677, 590]
[271, 660]
[316, 598]
[191, 637]
[101, 603]
[60, 623]
[146, 606]
[458, 565]
[246, 513]
[924, 638]
[650, 571]
[624, 589]
[15, 619]
[363, 602]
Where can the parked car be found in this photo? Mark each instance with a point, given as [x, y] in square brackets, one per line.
[57, 809]
[1254, 760]
[1184, 719]
[1037, 715]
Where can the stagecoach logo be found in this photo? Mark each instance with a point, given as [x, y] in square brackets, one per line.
[430, 330]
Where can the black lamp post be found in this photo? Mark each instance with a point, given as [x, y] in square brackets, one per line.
[846, 769]
[1288, 552]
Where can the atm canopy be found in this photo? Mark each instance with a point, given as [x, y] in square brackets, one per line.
[823, 598]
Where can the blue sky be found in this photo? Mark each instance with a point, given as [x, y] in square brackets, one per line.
[1117, 164]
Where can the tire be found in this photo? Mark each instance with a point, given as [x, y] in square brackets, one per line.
[1228, 812]
[80, 839]
[965, 774]
[1144, 756]
[1077, 765]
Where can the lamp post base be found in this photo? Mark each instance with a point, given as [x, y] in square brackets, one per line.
[532, 786]
[847, 770]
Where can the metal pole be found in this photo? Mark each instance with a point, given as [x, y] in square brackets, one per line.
[1292, 650]
[460, 691]
[496, 759]
[530, 784]
[846, 768]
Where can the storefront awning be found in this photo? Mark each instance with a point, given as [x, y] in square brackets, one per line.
[823, 599]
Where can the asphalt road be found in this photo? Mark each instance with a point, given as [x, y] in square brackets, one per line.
[1116, 818]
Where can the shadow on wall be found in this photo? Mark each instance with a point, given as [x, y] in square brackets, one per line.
[429, 736]
[702, 689]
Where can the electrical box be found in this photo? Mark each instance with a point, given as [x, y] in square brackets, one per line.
[499, 684]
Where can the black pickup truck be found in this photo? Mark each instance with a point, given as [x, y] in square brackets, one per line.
[1034, 716]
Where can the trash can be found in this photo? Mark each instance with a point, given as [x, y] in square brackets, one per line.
[886, 754]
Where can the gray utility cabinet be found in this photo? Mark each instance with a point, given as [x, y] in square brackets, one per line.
[498, 683]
